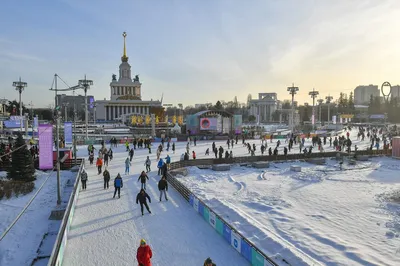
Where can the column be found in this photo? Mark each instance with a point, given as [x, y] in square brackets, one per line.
[106, 113]
[116, 111]
[112, 112]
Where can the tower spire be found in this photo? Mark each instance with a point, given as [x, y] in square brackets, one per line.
[124, 58]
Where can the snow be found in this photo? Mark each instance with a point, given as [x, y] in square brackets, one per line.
[107, 231]
[320, 214]
[20, 245]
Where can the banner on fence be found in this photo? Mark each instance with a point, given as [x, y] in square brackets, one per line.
[68, 132]
[256, 258]
[45, 147]
[227, 233]
[212, 220]
[196, 204]
[236, 241]
[245, 250]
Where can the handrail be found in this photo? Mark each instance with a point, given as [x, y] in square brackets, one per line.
[60, 235]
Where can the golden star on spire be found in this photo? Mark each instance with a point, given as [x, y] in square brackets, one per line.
[124, 57]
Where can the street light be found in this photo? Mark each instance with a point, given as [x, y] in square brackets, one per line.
[292, 90]
[328, 99]
[320, 101]
[313, 95]
[65, 111]
[20, 86]
[86, 83]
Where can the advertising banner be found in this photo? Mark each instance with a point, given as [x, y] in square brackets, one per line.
[68, 132]
[196, 204]
[201, 209]
[256, 258]
[208, 124]
[334, 119]
[212, 219]
[245, 250]
[45, 147]
[35, 122]
[206, 214]
[312, 119]
[219, 225]
[227, 233]
[236, 241]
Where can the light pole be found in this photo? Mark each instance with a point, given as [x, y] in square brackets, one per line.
[20, 86]
[57, 120]
[328, 99]
[86, 83]
[65, 111]
[94, 114]
[320, 101]
[313, 95]
[292, 90]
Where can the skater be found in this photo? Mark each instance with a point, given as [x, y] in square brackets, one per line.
[106, 176]
[168, 161]
[106, 157]
[160, 165]
[127, 166]
[141, 197]
[84, 178]
[148, 164]
[99, 164]
[173, 147]
[131, 153]
[144, 254]
[91, 158]
[142, 179]
[118, 184]
[193, 155]
[209, 262]
[163, 187]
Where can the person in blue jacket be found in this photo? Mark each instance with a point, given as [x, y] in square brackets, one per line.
[168, 160]
[159, 166]
[118, 184]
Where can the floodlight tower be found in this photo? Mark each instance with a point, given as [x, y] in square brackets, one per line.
[320, 101]
[86, 83]
[328, 99]
[313, 95]
[292, 91]
[20, 86]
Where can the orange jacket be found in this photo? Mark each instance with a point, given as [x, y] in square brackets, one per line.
[99, 162]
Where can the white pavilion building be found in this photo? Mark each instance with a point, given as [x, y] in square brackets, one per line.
[125, 95]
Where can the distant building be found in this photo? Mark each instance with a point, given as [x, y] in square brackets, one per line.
[362, 93]
[395, 92]
[199, 105]
[125, 95]
[77, 100]
[264, 107]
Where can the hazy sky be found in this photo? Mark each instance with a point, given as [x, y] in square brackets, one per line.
[200, 51]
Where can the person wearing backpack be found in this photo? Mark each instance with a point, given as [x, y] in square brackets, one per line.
[118, 184]
[84, 178]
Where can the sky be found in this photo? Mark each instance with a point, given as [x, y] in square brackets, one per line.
[200, 51]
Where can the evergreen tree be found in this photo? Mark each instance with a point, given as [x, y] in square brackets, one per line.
[351, 106]
[22, 168]
[219, 106]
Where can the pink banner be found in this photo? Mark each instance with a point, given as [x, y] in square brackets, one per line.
[45, 147]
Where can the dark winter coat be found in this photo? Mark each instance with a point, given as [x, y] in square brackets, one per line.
[118, 182]
[84, 176]
[106, 175]
[163, 184]
[142, 197]
[143, 255]
[142, 178]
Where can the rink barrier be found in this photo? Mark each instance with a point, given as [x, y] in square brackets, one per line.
[240, 243]
[57, 253]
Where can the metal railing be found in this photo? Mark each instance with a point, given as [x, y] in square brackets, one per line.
[55, 258]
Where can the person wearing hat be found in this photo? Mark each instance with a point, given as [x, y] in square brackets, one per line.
[144, 254]
[208, 262]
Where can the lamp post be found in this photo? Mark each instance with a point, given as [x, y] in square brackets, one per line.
[320, 101]
[292, 90]
[328, 99]
[313, 95]
[86, 83]
[65, 111]
[20, 86]
[94, 114]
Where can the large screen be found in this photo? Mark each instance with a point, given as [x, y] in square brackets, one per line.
[208, 124]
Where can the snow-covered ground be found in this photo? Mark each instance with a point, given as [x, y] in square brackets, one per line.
[20, 245]
[335, 217]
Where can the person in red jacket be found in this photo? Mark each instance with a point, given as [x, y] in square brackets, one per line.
[144, 254]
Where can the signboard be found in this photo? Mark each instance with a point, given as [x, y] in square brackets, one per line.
[347, 116]
[236, 241]
[68, 132]
[196, 204]
[212, 219]
[377, 116]
[91, 102]
[208, 124]
[45, 147]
